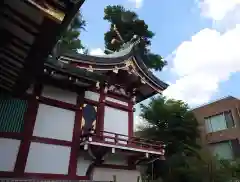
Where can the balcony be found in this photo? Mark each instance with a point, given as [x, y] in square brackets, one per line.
[123, 142]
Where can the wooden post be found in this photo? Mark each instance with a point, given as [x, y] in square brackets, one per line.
[116, 139]
[114, 178]
[138, 179]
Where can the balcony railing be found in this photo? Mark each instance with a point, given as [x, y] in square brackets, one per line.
[121, 140]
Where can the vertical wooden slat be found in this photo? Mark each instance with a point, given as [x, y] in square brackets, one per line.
[12, 111]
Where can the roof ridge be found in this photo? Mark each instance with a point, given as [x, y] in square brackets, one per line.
[214, 101]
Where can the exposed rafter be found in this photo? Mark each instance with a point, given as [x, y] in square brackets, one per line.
[26, 42]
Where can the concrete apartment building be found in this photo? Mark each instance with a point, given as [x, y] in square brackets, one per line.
[220, 127]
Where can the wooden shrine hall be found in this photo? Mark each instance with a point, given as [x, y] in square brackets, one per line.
[75, 120]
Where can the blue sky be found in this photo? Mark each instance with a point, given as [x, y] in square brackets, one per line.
[199, 39]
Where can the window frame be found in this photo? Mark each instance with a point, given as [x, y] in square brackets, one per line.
[210, 129]
[215, 145]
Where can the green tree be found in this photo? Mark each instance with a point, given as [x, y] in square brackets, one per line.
[128, 25]
[173, 123]
[69, 40]
[204, 168]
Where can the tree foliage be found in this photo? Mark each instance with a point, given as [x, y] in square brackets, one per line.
[69, 40]
[128, 25]
[171, 122]
[205, 168]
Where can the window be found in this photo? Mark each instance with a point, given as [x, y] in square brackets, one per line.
[229, 119]
[219, 122]
[223, 150]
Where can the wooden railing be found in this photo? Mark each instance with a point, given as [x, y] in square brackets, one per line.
[124, 140]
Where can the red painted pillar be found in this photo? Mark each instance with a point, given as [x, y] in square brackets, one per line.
[30, 118]
[100, 112]
[72, 169]
[130, 119]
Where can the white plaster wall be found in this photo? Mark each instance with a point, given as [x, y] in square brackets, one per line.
[92, 96]
[53, 122]
[116, 101]
[59, 94]
[46, 158]
[8, 153]
[104, 174]
[82, 165]
[116, 121]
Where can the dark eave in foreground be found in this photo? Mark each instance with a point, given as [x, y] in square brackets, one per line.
[21, 60]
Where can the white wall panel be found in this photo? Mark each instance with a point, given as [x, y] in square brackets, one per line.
[116, 101]
[53, 122]
[45, 158]
[59, 94]
[116, 121]
[92, 96]
[8, 153]
[82, 165]
[103, 174]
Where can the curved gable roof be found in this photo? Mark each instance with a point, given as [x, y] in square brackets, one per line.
[119, 60]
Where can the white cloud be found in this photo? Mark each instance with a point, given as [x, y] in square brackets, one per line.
[217, 9]
[137, 3]
[209, 58]
[96, 52]
[80, 51]
[140, 123]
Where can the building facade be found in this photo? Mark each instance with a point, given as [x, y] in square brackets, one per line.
[219, 124]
